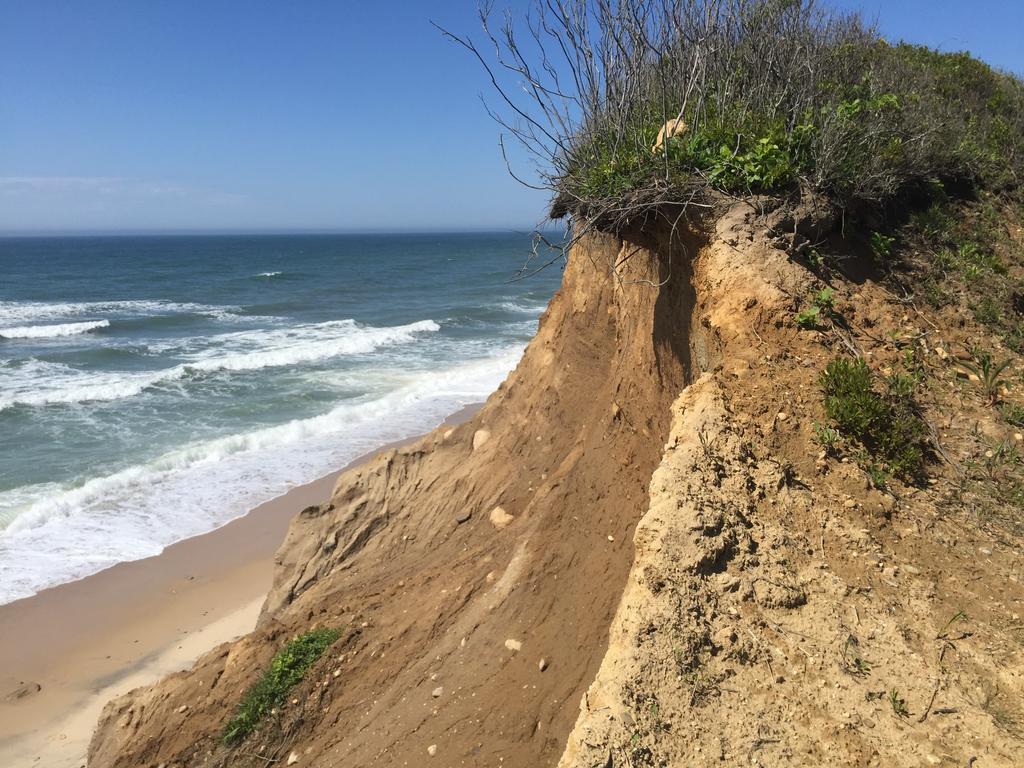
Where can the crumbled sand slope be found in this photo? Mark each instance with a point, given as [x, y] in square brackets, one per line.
[761, 579]
[566, 447]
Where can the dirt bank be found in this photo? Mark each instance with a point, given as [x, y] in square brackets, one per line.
[434, 595]
[780, 610]
[782, 605]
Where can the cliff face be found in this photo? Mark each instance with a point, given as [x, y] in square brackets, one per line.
[781, 611]
[463, 560]
[636, 554]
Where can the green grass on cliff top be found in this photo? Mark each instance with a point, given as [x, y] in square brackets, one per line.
[777, 96]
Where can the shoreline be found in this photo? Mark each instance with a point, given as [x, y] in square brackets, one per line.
[87, 641]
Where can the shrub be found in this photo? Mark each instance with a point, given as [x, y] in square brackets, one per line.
[775, 94]
[885, 424]
[286, 670]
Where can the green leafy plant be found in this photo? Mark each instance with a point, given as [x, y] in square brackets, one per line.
[853, 663]
[766, 165]
[286, 670]
[815, 260]
[901, 385]
[822, 303]
[988, 373]
[975, 259]
[827, 437]
[825, 300]
[882, 245]
[913, 363]
[807, 319]
[886, 425]
[877, 475]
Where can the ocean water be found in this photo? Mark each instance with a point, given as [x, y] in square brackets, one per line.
[154, 388]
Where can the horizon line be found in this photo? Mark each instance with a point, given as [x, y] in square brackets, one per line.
[267, 231]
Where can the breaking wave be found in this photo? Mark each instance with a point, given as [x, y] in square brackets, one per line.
[52, 331]
[137, 511]
[40, 383]
[31, 312]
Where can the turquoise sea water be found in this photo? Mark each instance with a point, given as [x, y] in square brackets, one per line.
[153, 388]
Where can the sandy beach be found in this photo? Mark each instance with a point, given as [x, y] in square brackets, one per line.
[70, 649]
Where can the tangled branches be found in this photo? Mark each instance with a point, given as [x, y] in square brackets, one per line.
[777, 97]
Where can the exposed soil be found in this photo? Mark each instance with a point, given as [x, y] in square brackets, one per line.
[567, 447]
[783, 612]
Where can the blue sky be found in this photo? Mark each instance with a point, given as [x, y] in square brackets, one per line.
[273, 115]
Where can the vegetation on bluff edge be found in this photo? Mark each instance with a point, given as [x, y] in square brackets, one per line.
[642, 110]
[777, 97]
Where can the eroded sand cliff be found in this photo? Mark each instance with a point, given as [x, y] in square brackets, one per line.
[495, 611]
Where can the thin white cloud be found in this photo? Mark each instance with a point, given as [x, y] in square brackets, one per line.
[60, 184]
[93, 187]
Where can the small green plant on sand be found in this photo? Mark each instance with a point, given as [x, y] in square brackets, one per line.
[853, 663]
[886, 425]
[898, 704]
[827, 437]
[958, 617]
[986, 311]
[824, 300]
[822, 303]
[815, 260]
[1000, 459]
[286, 670]
[807, 319]
[878, 476]
[988, 372]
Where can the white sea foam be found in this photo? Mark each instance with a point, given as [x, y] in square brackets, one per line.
[39, 383]
[253, 350]
[31, 312]
[269, 274]
[52, 331]
[59, 534]
[522, 307]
